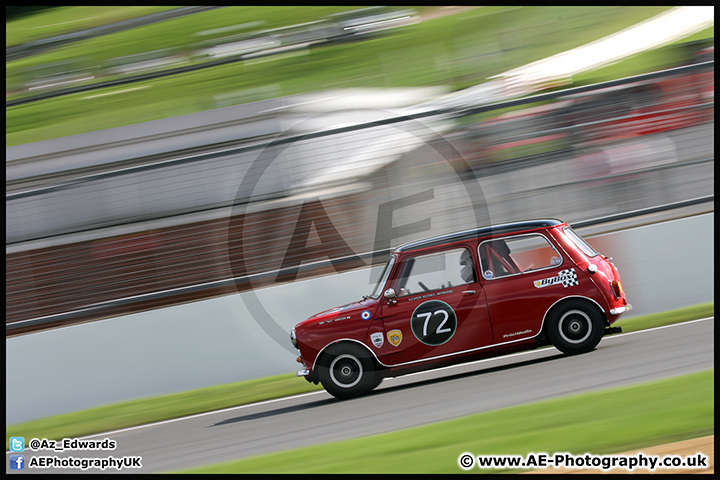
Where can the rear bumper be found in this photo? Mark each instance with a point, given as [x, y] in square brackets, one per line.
[619, 310]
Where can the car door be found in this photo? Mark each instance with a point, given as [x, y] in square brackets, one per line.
[439, 310]
[516, 271]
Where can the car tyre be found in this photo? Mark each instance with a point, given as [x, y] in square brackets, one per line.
[575, 327]
[348, 371]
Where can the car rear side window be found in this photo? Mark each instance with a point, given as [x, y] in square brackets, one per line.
[580, 243]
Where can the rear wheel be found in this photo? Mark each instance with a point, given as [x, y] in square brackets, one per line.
[348, 371]
[575, 327]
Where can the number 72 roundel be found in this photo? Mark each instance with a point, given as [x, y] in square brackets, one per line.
[434, 322]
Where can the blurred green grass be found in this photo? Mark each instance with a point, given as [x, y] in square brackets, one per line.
[457, 50]
[62, 20]
[604, 422]
[671, 317]
[179, 33]
[146, 410]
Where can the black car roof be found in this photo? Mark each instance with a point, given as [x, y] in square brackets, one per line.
[478, 232]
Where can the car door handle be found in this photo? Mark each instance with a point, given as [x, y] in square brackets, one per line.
[469, 292]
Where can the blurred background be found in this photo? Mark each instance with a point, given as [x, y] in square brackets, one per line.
[159, 155]
[327, 125]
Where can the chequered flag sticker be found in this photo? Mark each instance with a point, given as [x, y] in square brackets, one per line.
[568, 278]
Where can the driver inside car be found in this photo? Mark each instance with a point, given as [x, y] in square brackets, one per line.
[467, 267]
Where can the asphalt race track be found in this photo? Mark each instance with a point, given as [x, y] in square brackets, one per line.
[413, 400]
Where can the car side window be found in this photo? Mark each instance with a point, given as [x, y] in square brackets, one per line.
[436, 271]
[517, 255]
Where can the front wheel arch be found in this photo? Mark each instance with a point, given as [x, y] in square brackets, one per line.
[347, 370]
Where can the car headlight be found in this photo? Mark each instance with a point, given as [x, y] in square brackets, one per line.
[293, 338]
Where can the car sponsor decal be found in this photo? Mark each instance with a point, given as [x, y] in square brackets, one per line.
[377, 339]
[433, 322]
[366, 315]
[395, 337]
[517, 333]
[335, 320]
[567, 278]
[428, 295]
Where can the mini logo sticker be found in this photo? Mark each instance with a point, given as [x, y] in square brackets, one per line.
[366, 315]
[377, 339]
[395, 337]
[568, 278]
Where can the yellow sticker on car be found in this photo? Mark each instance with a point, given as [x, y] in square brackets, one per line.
[394, 337]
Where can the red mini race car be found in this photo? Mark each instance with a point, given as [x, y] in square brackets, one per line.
[464, 296]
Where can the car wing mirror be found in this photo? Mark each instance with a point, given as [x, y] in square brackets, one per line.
[390, 296]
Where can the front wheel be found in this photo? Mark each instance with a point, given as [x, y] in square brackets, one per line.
[347, 371]
[575, 327]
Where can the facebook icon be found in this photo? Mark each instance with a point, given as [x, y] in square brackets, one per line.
[17, 462]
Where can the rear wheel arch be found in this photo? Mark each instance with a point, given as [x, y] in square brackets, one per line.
[574, 325]
[562, 303]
